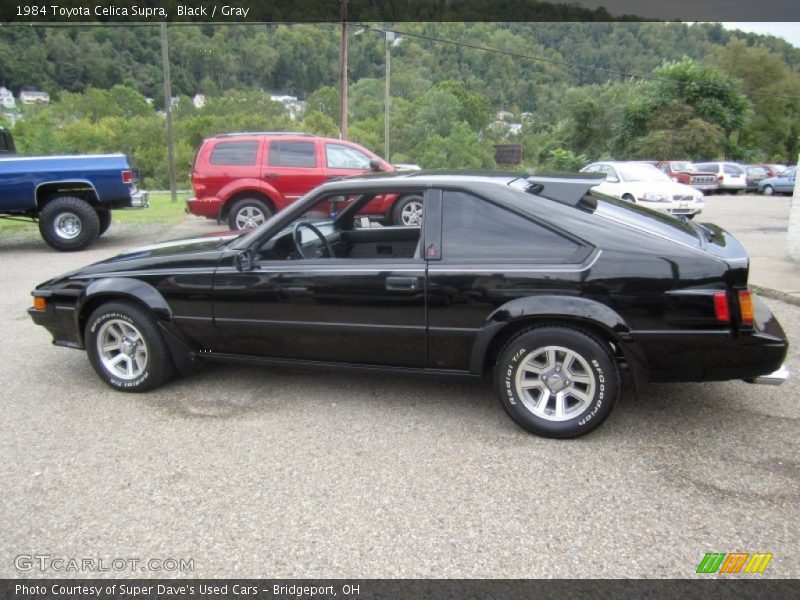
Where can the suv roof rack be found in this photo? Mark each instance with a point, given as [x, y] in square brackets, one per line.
[234, 134]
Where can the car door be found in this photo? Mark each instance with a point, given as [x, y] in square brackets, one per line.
[292, 167]
[343, 310]
[786, 181]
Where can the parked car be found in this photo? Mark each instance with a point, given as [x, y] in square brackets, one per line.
[245, 178]
[782, 184]
[685, 172]
[644, 184]
[754, 175]
[731, 177]
[777, 169]
[556, 292]
[71, 197]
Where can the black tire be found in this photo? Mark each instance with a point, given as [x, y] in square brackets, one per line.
[629, 198]
[768, 190]
[119, 321]
[597, 370]
[68, 223]
[690, 217]
[105, 221]
[407, 211]
[246, 210]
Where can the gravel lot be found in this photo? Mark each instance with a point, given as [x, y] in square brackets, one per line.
[283, 473]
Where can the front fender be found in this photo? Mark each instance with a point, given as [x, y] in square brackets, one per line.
[122, 288]
[573, 309]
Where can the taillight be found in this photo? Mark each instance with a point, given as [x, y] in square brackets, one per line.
[719, 179]
[721, 309]
[127, 176]
[746, 307]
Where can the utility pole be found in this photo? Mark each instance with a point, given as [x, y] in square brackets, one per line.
[793, 235]
[173, 192]
[343, 75]
[389, 39]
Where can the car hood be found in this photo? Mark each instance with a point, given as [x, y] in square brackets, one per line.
[173, 254]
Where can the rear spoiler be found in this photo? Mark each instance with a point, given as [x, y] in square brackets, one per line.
[571, 189]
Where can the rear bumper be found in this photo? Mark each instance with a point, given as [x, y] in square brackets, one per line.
[139, 199]
[204, 207]
[775, 378]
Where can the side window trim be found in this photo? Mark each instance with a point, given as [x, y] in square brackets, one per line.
[432, 225]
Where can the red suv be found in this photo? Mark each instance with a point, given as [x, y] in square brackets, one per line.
[246, 177]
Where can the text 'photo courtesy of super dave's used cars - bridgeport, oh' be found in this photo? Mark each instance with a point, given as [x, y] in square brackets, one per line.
[557, 291]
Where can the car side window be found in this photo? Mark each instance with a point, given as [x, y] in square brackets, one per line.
[475, 229]
[234, 153]
[340, 156]
[287, 153]
[665, 168]
[731, 170]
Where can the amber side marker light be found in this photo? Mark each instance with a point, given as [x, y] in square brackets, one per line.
[39, 303]
[746, 307]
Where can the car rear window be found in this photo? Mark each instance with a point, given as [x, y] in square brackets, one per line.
[234, 153]
[711, 167]
[733, 170]
[644, 218]
[285, 153]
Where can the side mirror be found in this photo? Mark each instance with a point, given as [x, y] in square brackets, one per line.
[375, 165]
[244, 260]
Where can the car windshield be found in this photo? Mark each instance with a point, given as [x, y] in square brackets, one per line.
[641, 173]
[683, 166]
[757, 171]
[789, 172]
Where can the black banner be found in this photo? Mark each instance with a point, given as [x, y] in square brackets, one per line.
[222, 11]
[388, 589]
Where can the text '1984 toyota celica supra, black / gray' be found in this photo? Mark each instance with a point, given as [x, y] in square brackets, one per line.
[557, 291]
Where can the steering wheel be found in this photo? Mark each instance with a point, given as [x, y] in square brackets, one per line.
[297, 238]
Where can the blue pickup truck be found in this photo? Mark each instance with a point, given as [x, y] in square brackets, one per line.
[70, 196]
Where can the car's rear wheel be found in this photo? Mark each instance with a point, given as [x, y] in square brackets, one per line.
[69, 223]
[557, 381]
[768, 190]
[407, 211]
[629, 198]
[126, 349]
[248, 213]
[105, 221]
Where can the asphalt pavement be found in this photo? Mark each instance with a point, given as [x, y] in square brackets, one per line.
[266, 472]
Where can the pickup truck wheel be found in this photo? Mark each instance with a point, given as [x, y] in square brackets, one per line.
[248, 213]
[557, 381]
[105, 221]
[407, 211]
[69, 223]
[126, 349]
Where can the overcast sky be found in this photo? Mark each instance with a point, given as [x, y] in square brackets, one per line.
[788, 31]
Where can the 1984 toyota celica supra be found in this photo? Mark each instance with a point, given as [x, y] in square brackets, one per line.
[553, 290]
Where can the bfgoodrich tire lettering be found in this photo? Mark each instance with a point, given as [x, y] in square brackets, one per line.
[557, 381]
[126, 349]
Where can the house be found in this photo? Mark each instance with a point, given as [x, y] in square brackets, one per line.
[33, 97]
[7, 98]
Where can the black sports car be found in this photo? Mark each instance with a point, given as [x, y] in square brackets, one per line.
[556, 291]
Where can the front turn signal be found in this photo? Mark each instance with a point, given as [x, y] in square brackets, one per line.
[39, 303]
[746, 307]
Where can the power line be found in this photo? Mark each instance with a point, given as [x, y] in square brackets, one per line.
[572, 65]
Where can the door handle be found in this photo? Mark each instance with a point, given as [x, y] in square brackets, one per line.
[271, 175]
[402, 283]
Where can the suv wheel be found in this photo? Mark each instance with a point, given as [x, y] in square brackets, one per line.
[248, 213]
[69, 223]
[557, 381]
[126, 349]
[407, 211]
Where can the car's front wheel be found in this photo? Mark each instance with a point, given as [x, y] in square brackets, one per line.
[629, 198]
[126, 349]
[768, 190]
[557, 381]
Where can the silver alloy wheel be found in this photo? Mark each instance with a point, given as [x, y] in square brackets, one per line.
[68, 225]
[768, 190]
[122, 349]
[411, 215]
[249, 217]
[555, 383]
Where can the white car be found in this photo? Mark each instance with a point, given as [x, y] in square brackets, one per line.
[730, 176]
[646, 185]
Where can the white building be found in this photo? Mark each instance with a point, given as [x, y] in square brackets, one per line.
[293, 106]
[34, 97]
[199, 100]
[7, 98]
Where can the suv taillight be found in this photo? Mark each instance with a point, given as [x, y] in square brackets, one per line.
[127, 176]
